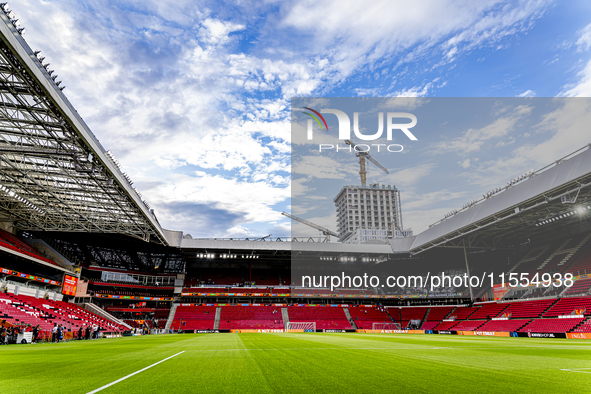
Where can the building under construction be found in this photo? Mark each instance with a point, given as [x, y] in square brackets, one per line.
[374, 207]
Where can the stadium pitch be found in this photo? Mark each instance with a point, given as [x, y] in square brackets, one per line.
[297, 363]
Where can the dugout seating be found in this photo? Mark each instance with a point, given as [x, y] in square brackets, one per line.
[326, 317]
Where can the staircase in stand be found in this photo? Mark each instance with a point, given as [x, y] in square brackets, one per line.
[285, 316]
[102, 313]
[425, 317]
[348, 314]
[218, 313]
[170, 317]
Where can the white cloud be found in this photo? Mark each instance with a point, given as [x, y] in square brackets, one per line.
[473, 139]
[584, 41]
[465, 163]
[583, 87]
[527, 93]
[175, 88]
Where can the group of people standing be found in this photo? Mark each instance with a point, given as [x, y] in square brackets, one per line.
[8, 334]
[57, 333]
[88, 332]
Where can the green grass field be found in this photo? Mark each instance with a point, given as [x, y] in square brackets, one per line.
[299, 363]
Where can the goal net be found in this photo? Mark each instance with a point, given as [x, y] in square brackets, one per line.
[300, 326]
[383, 326]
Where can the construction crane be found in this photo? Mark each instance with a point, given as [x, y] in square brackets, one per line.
[323, 230]
[362, 156]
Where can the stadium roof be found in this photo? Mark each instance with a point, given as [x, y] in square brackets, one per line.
[54, 173]
[320, 247]
[554, 200]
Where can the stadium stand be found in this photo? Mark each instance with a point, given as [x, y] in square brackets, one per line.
[429, 325]
[568, 306]
[12, 242]
[45, 313]
[445, 325]
[435, 315]
[365, 317]
[487, 311]
[463, 313]
[533, 308]
[584, 327]
[552, 325]
[194, 318]
[325, 317]
[469, 325]
[411, 313]
[504, 325]
[251, 317]
[580, 287]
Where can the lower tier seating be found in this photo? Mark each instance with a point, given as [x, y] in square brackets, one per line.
[365, 317]
[251, 317]
[194, 318]
[551, 325]
[326, 318]
[504, 325]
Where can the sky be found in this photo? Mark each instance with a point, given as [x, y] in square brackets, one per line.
[193, 98]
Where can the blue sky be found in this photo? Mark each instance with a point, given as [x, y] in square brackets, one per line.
[193, 98]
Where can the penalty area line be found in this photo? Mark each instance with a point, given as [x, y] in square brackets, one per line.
[132, 374]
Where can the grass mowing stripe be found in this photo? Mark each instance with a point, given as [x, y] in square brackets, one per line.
[132, 374]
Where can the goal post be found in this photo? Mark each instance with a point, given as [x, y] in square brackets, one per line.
[300, 326]
[385, 326]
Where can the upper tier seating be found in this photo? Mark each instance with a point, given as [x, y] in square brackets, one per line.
[527, 308]
[488, 311]
[462, 313]
[566, 306]
[12, 242]
[438, 313]
[580, 287]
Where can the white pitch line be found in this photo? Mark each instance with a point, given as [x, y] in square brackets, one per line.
[132, 374]
[576, 370]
